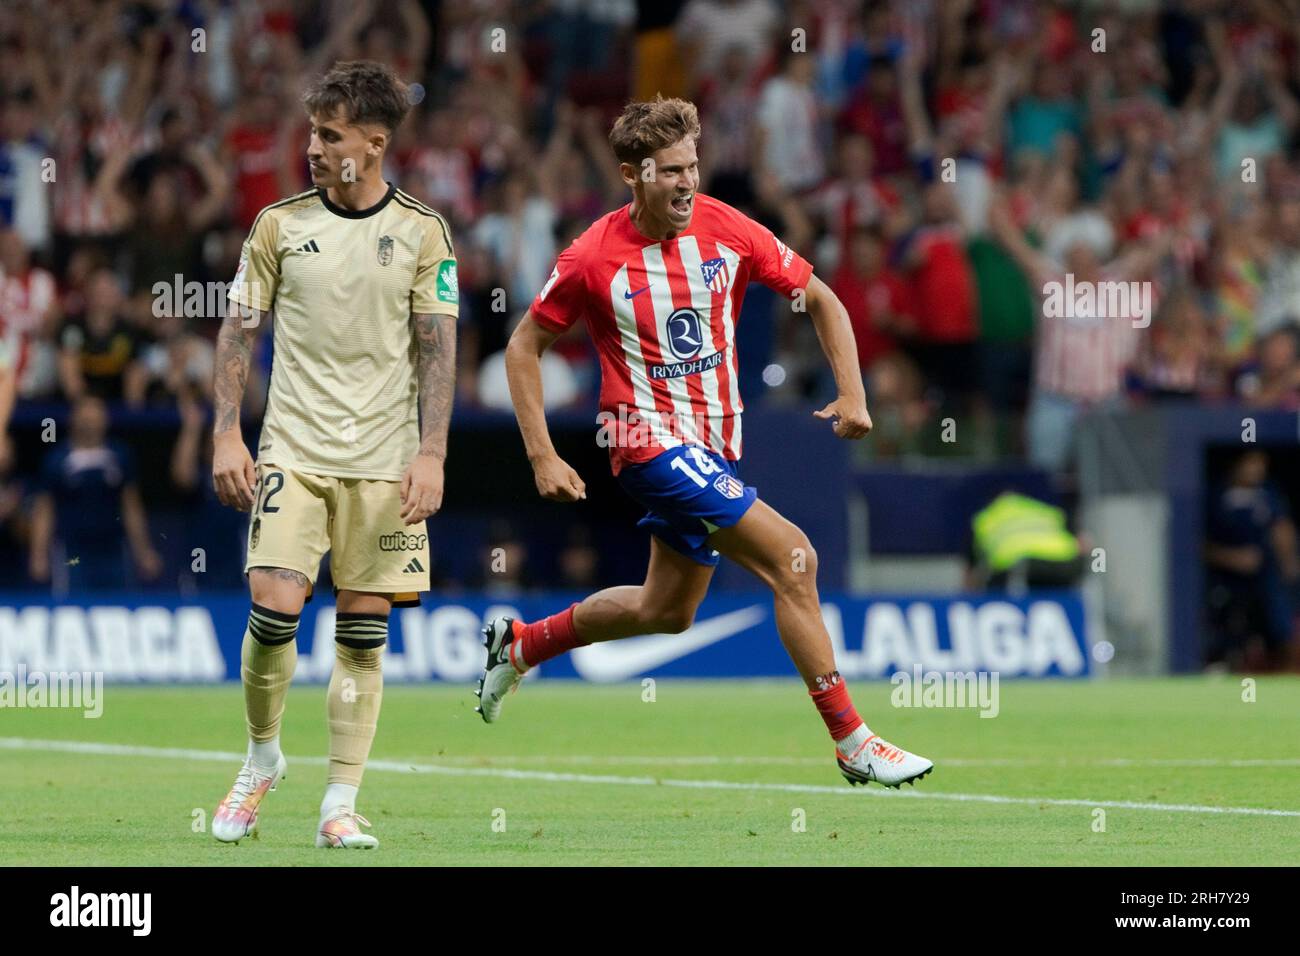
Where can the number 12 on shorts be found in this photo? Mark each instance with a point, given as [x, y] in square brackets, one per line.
[264, 492]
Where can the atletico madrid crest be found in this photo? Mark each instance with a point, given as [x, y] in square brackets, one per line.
[728, 486]
[716, 275]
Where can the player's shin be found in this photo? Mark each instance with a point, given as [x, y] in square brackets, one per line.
[268, 659]
[352, 705]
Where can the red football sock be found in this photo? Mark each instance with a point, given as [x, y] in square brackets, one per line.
[835, 706]
[547, 638]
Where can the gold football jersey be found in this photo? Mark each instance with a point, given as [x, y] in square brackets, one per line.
[342, 285]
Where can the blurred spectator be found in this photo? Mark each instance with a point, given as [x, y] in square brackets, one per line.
[166, 151]
[954, 200]
[708, 29]
[874, 110]
[89, 510]
[877, 298]
[15, 527]
[855, 198]
[101, 350]
[1279, 300]
[935, 256]
[29, 309]
[503, 568]
[657, 66]
[24, 194]
[1250, 551]
[1005, 306]
[439, 170]
[899, 410]
[1274, 380]
[1082, 355]
[165, 227]
[579, 563]
[727, 102]
[257, 149]
[559, 386]
[1240, 257]
[789, 151]
[96, 117]
[851, 37]
[179, 364]
[584, 37]
[1262, 113]
[518, 233]
[1044, 113]
[1175, 360]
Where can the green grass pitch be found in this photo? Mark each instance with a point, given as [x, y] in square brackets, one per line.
[708, 773]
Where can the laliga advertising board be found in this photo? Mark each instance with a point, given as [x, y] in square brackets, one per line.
[139, 637]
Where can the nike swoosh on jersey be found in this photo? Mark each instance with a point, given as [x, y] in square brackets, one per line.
[619, 660]
[629, 294]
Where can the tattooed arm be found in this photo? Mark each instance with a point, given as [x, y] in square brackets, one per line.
[233, 473]
[436, 370]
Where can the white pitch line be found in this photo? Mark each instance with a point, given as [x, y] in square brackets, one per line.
[507, 773]
[719, 759]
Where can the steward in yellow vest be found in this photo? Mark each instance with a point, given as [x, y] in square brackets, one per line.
[1021, 543]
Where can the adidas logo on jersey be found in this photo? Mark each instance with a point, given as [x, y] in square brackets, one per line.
[309, 246]
[414, 567]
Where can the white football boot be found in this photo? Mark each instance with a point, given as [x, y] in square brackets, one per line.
[341, 827]
[878, 760]
[500, 676]
[236, 816]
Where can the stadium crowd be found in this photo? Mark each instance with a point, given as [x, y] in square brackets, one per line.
[938, 160]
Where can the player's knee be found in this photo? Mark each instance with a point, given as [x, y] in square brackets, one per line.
[803, 560]
[278, 589]
[796, 572]
[273, 594]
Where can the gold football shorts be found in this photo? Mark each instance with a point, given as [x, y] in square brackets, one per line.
[297, 517]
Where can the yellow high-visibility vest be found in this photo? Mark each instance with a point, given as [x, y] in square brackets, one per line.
[1015, 527]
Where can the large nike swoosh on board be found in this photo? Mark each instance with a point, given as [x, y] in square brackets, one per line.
[619, 660]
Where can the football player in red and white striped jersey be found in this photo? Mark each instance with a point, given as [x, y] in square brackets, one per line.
[659, 284]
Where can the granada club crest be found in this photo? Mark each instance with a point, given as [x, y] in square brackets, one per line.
[256, 535]
[385, 250]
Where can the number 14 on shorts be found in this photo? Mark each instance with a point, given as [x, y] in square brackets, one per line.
[726, 485]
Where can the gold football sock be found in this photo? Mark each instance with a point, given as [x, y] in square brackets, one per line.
[356, 690]
[267, 662]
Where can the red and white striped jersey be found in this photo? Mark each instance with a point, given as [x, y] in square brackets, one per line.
[1084, 356]
[662, 316]
[25, 301]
